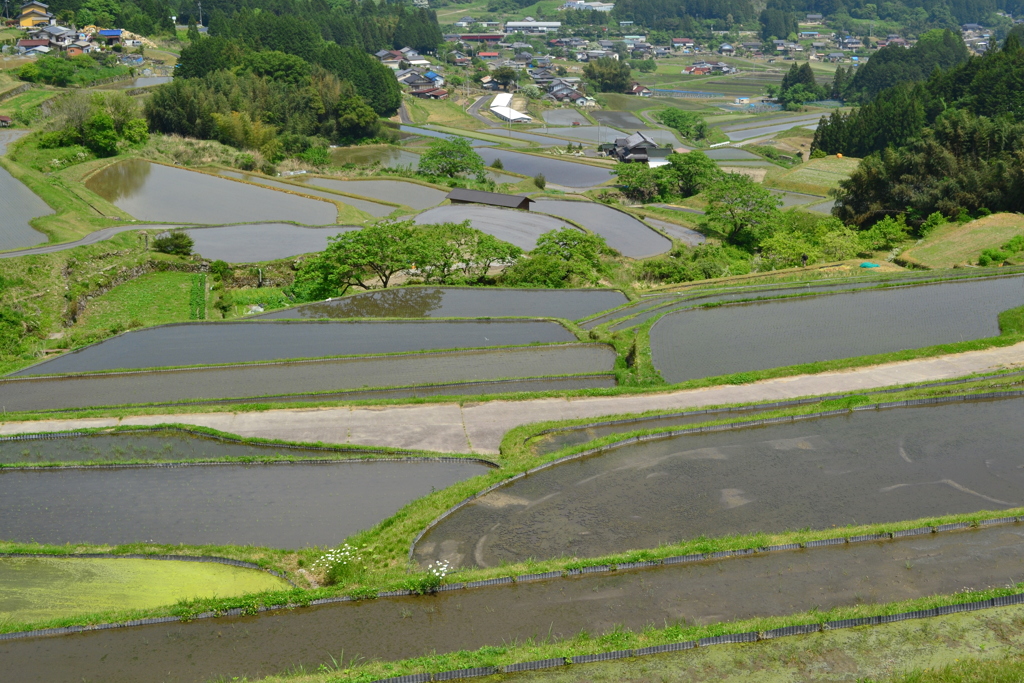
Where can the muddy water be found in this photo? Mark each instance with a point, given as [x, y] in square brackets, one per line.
[154, 192]
[278, 505]
[213, 343]
[392, 628]
[39, 588]
[521, 228]
[869, 467]
[149, 445]
[409, 194]
[303, 377]
[720, 341]
[260, 242]
[623, 233]
[455, 302]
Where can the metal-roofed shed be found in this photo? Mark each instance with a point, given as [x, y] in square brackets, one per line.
[509, 201]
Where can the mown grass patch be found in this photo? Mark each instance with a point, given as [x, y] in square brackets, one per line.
[154, 299]
[960, 243]
[817, 176]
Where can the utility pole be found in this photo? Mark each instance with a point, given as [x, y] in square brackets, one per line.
[200, 14]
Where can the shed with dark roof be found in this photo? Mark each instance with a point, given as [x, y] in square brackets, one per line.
[509, 201]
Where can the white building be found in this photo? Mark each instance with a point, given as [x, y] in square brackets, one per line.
[532, 26]
[500, 108]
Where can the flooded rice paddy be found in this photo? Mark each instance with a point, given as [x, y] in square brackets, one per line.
[622, 232]
[564, 117]
[373, 208]
[521, 228]
[592, 134]
[261, 241]
[685, 235]
[154, 192]
[144, 445]
[863, 468]
[708, 592]
[285, 505]
[305, 377]
[34, 589]
[755, 336]
[565, 173]
[385, 155]
[542, 140]
[140, 82]
[428, 133]
[789, 199]
[729, 153]
[409, 194]
[18, 205]
[461, 302]
[241, 342]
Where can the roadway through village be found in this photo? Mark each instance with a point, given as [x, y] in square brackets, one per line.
[480, 427]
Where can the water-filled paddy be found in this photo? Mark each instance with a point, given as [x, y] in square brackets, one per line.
[592, 134]
[564, 117]
[428, 133]
[385, 155]
[40, 588]
[619, 119]
[260, 241]
[774, 584]
[154, 192]
[373, 208]
[215, 343]
[683, 234]
[140, 82]
[162, 387]
[18, 205]
[795, 198]
[542, 140]
[729, 339]
[621, 231]
[868, 467]
[764, 131]
[565, 173]
[729, 153]
[521, 228]
[461, 302]
[292, 505]
[410, 194]
[144, 445]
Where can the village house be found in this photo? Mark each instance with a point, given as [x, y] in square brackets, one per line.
[34, 14]
[639, 90]
[683, 42]
[639, 147]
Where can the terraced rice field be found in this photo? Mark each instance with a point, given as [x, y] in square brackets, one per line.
[460, 302]
[395, 191]
[620, 230]
[302, 378]
[261, 241]
[154, 192]
[869, 467]
[373, 208]
[520, 228]
[721, 341]
[18, 205]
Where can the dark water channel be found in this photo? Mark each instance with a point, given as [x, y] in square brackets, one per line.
[458, 302]
[871, 466]
[154, 192]
[755, 336]
[393, 628]
[277, 505]
[213, 343]
[303, 378]
[144, 445]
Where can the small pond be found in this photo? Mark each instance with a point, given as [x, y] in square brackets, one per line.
[741, 338]
[291, 505]
[304, 378]
[239, 342]
[868, 467]
[622, 232]
[565, 173]
[260, 241]
[409, 194]
[34, 589]
[521, 228]
[373, 208]
[154, 192]
[461, 302]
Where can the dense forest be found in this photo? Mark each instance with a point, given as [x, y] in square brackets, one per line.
[953, 143]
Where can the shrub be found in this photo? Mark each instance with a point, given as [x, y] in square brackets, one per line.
[340, 566]
[818, 154]
[540, 181]
[432, 580]
[316, 156]
[220, 269]
[992, 256]
[497, 164]
[99, 135]
[1015, 245]
[135, 132]
[933, 221]
[246, 162]
[175, 242]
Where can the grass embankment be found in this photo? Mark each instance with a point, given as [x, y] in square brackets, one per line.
[154, 299]
[817, 176]
[440, 112]
[956, 244]
[385, 546]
